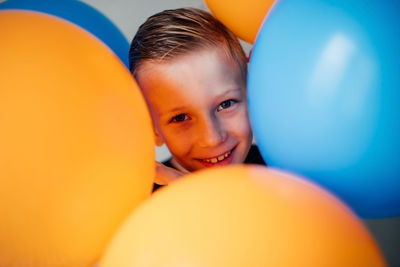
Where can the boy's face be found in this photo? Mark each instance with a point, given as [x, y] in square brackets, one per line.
[199, 108]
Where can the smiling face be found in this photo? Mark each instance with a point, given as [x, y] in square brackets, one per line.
[198, 105]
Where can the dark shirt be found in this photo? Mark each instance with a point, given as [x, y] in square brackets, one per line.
[254, 157]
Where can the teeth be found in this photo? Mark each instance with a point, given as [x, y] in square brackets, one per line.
[220, 158]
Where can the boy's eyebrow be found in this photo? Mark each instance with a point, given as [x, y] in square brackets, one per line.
[176, 109]
[233, 90]
[171, 111]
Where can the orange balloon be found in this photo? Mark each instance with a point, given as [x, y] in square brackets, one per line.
[243, 18]
[76, 143]
[242, 216]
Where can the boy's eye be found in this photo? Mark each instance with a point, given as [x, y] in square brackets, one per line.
[180, 118]
[226, 104]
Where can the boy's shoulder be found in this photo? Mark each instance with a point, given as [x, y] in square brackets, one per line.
[254, 156]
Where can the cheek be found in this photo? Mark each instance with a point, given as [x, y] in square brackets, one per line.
[179, 142]
[239, 126]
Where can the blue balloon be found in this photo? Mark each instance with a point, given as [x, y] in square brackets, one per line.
[324, 97]
[83, 16]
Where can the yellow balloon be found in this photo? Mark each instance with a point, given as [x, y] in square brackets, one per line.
[243, 18]
[76, 143]
[242, 216]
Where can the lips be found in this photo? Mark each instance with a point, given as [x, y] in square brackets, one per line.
[222, 159]
[219, 158]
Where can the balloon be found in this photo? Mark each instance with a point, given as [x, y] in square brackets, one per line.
[324, 91]
[77, 148]
[82, 15]
[243, 18]
[242, 216]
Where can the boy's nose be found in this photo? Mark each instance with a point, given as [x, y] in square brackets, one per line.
[211, 133]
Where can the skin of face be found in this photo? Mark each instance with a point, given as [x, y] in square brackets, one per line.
[198, 105]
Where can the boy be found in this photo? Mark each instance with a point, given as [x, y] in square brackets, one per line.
[192, 72]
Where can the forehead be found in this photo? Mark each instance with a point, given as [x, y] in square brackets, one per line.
[201, 62]
[195, 76]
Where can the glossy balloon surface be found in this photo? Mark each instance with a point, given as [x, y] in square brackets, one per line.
[324, 93]
[77, 146]
[242, 216]
[242, 17]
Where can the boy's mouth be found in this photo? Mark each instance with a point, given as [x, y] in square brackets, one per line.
[222, 159]
[218, 159]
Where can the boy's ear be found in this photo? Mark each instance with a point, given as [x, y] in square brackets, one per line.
[158, 139]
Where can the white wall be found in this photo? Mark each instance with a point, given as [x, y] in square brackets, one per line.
[127, 15]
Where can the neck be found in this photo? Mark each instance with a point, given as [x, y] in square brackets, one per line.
[178, 166]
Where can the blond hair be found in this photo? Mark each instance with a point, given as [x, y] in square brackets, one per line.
[175, 32]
